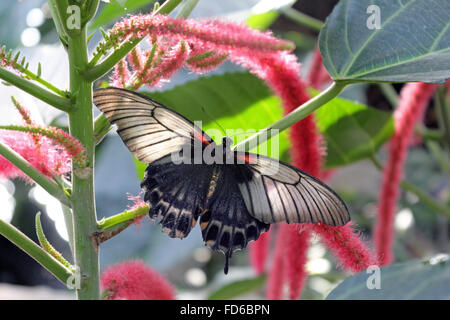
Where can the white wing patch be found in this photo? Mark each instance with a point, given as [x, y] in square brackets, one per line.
[290, 195]
[149, 130]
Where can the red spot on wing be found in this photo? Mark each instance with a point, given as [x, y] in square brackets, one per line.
[247, 158]
[200, 136]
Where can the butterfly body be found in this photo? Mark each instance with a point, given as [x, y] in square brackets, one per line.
[234, 195]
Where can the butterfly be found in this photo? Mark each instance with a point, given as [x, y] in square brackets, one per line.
[234, 198]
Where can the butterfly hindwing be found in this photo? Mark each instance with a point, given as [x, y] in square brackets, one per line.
[175, 194]
[226, 223]
[274, 191]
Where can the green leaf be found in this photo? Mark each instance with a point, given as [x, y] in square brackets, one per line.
[236, 101]
[262, 21]
[410, 280]
[412, 43]
[116, 9]
[237, 288]
[264, 13]
[352, 130]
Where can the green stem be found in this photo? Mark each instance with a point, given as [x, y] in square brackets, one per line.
[101, 127]
[37, 176]
[186, 10]
[83, 201]
[298, 114]
[36, 252]
[424, 197]
[36, 77]
[47, 246]
[168, 6]
[390, 93]
[443, 114]
[440, 156]
[69, 226]
[303, 19]
[109, 62]
[95, 72]
[126, 216]
[429, 134]
[56, 101]
[114, 225]
[57, 20]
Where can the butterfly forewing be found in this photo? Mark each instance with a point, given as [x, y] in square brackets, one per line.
[150, 130]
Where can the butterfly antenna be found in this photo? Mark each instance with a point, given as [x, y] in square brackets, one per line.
[213, 120]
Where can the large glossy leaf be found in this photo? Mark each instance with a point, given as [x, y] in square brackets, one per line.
[411, 44]
[352, 130]
[235, 101]
[403, 281]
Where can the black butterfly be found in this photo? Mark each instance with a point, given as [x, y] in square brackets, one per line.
[235, 199]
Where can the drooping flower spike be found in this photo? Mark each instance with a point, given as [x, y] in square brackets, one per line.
[49, 149]
[414, 99]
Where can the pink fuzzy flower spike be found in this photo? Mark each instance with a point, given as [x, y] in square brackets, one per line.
[48, 149]
[346, 245]
[317, 75]
[414, 99]
[121, 75]
[214, 35]
[276, 279]
[168, 66]
[133, 280]
[259, 250]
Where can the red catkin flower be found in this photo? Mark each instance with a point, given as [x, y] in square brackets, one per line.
[168, 66]
[317, 75]
[214, 35]
[206, 61]
[297, 239]
[71, 145]
[48, 149]
[276, 279]
[48, 158]
[259, 250]
[414, 99]
[133, 280]
[346, 245]
[121, 74]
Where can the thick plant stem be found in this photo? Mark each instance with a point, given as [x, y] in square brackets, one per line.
[298, 114]
[303, 19]
[83, 201]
